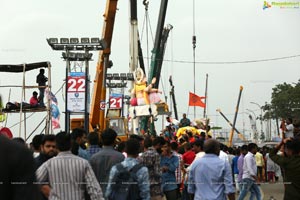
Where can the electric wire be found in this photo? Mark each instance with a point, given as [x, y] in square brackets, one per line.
[147, 23]
[234, 62]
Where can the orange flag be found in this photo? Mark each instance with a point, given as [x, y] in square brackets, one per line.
[195, 100]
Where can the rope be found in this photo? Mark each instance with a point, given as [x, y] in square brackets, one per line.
[148, 26]
[21, 121]
[36, 129]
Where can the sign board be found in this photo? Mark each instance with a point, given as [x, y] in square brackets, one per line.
[115, 103]
[102, 105]
[76, 91]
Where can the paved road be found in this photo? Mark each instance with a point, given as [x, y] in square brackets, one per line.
[273, 191]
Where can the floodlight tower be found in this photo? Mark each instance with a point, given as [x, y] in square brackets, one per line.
[84, 45]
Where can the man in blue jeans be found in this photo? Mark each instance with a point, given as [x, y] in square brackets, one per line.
[249, 175]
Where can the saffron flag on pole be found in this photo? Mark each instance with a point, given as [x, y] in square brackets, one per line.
[195, 100]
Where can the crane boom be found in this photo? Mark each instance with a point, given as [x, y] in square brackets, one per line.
[157, 54]
[240, 135]
[172, 92]
[157, 57]
[235, 116]
[97, 115]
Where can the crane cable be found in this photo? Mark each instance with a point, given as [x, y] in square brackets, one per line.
[147, 24]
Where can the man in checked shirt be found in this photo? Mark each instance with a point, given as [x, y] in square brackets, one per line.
[68, 175]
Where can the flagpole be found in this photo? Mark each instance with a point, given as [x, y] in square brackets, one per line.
[205, 100]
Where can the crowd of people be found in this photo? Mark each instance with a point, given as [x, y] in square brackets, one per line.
[80, 165]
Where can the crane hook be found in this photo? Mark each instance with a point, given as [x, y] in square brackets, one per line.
[146, 3]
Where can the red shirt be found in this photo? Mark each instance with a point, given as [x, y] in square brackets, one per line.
[188, 157]
[192, 140]
[33, 101]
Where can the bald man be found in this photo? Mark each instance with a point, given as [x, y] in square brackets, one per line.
[210, 177]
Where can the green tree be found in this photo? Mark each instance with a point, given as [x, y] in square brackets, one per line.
[285, 102]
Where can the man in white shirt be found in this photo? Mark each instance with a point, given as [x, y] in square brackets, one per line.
[223, 155]
[249, 174]
[289, 128]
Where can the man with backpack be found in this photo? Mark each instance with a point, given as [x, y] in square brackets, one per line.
[129, 179]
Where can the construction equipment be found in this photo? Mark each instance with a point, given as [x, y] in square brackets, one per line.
[240, 135]
[235, 116]
[102, 117]
[144, 115]
[172, 93]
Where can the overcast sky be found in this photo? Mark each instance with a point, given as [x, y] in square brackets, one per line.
[227, 31]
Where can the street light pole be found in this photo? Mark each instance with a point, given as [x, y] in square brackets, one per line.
[261, 119]
[252, 113]
[253, 124]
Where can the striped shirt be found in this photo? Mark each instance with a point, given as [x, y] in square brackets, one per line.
[69, 176]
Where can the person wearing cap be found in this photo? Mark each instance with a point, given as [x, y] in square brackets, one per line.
[103, 161]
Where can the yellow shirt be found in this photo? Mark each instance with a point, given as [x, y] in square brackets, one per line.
[259, 159]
